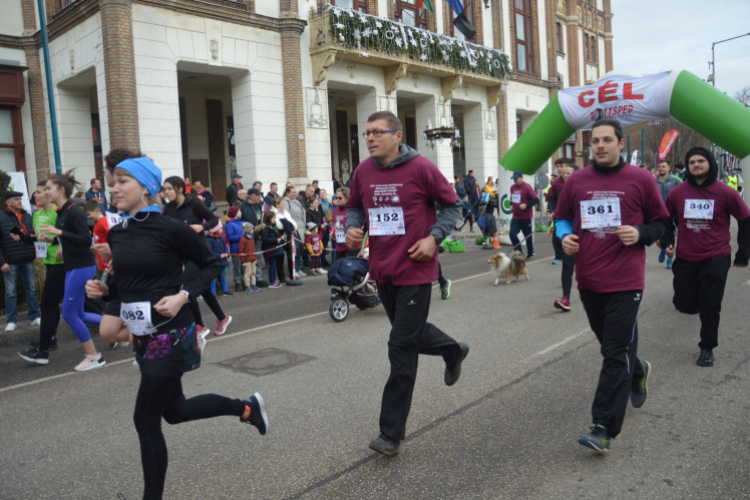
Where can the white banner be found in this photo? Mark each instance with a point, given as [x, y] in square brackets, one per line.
[634, 158]
[18, 183]
[628, 99]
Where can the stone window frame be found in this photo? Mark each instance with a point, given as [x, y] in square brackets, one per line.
[420, 15]
[559, 38]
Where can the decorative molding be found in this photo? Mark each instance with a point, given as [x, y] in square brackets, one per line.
[392, 75]
[449, 84]
[351, 67]
[213, 45]
[494, 95]
[320, 64]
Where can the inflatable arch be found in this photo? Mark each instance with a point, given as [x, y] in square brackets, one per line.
[633, 100]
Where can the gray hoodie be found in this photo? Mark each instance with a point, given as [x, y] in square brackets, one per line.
[446, 217]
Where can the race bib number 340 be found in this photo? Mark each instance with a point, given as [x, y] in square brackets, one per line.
[600, 213]
[387, 221]
[699, 209]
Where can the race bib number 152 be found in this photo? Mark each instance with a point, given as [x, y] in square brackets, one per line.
[387, 221]
[604, 212]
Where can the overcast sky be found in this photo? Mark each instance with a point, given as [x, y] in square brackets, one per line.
[658, 35]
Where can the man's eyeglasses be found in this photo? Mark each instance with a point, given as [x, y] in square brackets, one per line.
[377, 133]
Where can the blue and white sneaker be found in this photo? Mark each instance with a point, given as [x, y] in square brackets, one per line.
[662, 256]
[556, 262]
[258, 417]
[598, 439]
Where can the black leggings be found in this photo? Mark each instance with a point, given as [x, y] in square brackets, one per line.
[568, 266]
[191, 270]
[441, 280]
[162, 397]
[52, 294]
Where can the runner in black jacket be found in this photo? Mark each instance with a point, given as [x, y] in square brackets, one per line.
[193, 212]
[148, 252]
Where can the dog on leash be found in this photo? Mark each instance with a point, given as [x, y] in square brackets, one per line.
[510, 267]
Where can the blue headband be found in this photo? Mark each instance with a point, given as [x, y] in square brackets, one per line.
[145, 172]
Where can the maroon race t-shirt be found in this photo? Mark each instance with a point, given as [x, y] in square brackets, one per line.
[522, 194]
[412, 189]
[554, 189]
[339, 228]
[603, 263]
[705, 235]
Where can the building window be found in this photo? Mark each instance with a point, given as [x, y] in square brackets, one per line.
[559, 37]
[524, 48]
[469, 10]
[586, 47]
[359, 5]
[592, 50]
[7, 147]
[568, 150]
[407, 12]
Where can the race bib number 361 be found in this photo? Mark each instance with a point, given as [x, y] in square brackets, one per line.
[387, 221]
[600, 213]
[699, 209]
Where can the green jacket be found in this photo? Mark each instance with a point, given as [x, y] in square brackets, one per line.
[48, 217]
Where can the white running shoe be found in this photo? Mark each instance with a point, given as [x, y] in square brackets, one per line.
[135, 363]
[90, 363]
[322, 271]
[300, 274]
[10, 327]
[36, 322]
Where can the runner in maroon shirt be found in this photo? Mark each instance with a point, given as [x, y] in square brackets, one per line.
[522, 201]
[395, 191]
[702, 208]
[552, 196]
[606, 215]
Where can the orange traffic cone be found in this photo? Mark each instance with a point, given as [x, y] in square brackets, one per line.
[495, 242]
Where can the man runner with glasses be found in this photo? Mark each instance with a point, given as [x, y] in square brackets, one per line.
[395, 192]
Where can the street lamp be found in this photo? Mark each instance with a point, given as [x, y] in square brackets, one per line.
[712, 65]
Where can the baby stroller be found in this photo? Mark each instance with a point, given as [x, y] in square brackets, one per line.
[350, 282]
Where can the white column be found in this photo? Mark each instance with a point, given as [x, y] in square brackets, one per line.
[76, 143]
[367, 104]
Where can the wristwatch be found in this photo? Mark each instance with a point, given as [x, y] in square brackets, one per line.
[187, 295]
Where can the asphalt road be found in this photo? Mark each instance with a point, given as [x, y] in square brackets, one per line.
[507, 429]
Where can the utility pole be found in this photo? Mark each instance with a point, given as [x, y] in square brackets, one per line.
[50, 89]
[712, 64]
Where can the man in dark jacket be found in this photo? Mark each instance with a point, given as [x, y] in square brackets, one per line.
[17, 257]
[96, 193]
[233, 188]
[469, 181]
[273, 193]
[252, 212]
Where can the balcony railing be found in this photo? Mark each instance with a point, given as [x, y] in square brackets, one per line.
[350, 35]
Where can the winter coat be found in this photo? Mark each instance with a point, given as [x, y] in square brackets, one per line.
[219, 246]
[233, 234]
[251, 213]
[270, 238]
[316, 217]
[247, 248]
[297, 212]
[12, 252]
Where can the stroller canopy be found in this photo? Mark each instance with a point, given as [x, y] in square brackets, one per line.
[347, 272]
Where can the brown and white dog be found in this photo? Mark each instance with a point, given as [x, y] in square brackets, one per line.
[510, 267]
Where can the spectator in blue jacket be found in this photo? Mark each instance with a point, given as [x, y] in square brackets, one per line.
[219, 246]
[234, 234]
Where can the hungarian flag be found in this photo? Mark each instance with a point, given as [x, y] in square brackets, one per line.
[426, 3]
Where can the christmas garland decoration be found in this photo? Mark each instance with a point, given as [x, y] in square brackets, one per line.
[356, 31]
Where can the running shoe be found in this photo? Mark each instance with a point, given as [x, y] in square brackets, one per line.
[90, 363]
[203, 343]
[34, 355]
[706, 358]
[453, 373]
[598, 439]
[445, 291]
[202, 330]
[221, 326]
[275, 284]
[10, 327]
[36, 322]
[114, 345]
[228, 293]
[662, 256]
[385, 445]
[556, 262]
[258, 417]
[563, 304]
[249, 290]
[639, 392]
[322, 271]
[531, 257]
[257, 290]
[52, 344]
[669, 263]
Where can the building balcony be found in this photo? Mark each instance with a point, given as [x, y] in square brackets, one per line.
[345, 34]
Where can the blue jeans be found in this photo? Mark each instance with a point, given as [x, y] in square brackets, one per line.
[223, 279]
[11, 293]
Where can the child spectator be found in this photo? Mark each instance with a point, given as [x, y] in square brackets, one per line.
[271, 237]
[248, 257]
[234, 234]
[314, 247]
[220, 248]
[339, 226]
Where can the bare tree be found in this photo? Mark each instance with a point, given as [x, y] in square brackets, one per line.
[655, 131]
[743, 95]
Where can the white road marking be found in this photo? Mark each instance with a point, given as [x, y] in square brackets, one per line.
[230, 335]
[747, 283]
[554, 346]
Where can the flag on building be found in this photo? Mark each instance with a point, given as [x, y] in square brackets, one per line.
[426, 3]
[460, 21]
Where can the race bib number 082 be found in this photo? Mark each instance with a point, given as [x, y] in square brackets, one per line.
[137, 315]
[604, 212]
[699, 209]
[387, 221]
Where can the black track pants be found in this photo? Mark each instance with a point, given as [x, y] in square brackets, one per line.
[614, 319]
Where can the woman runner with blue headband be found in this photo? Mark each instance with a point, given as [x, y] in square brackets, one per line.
[154, 307]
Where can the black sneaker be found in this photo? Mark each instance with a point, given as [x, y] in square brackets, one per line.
[258, 417]
[639, 392]
[598, 439]
[385, 445]
[706, 358]
[34, 355]
[52, 344]
[452, 374]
